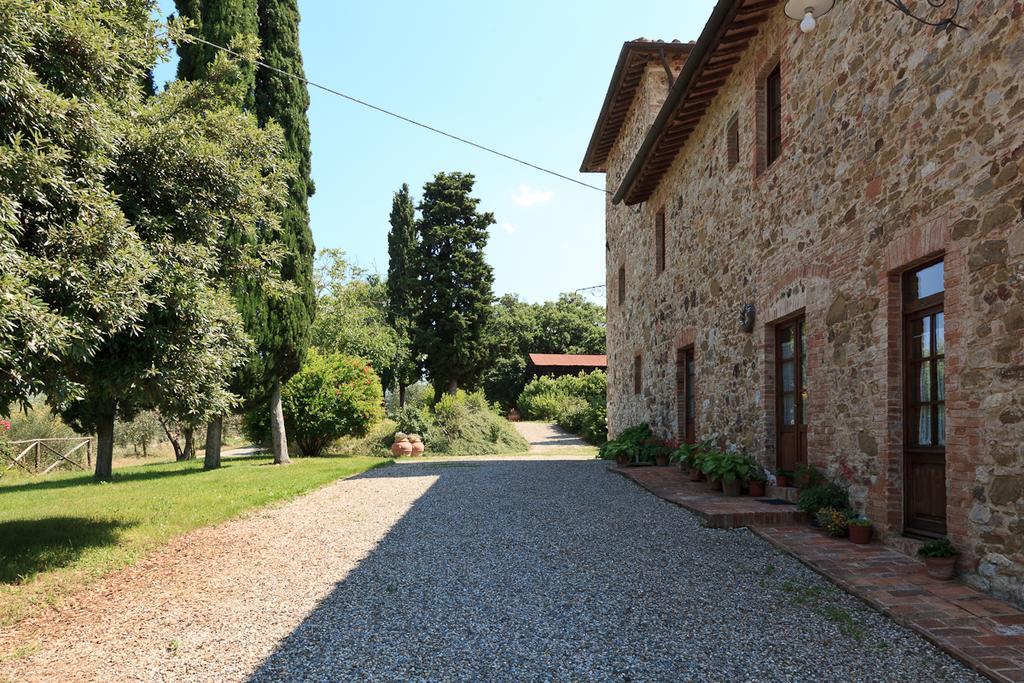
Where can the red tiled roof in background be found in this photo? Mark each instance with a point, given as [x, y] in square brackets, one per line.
[568, 360]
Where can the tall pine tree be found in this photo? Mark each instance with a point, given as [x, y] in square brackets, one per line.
[401, 289]
[454, 290]
[285, 100]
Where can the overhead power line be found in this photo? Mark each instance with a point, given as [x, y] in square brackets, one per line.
[400, 117]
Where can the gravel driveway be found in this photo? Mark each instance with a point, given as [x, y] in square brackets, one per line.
[541, 568]
[560, 570]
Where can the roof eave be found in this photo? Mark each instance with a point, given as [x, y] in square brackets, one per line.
[720, 19]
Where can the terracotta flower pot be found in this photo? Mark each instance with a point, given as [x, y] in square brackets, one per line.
[401, 448]
[732, 488]
[941, 568]
[860, 534]
[622, 460]
[783, 480]
[418, 448]
[661, 460]
[755, 488]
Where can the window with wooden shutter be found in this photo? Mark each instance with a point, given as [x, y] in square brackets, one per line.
[773, 114]
[732, 142]
[659, 242]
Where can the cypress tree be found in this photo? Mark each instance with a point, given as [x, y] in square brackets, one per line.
[401, 287]
[285, 100]
[455, 282]
[222, 22]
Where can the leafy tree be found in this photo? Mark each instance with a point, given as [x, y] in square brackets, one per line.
[351, 316]
[72, 269]
[284, 100]
[332, 396]
[454, 289]
[569, 325]
[401, 291]
[192, 173]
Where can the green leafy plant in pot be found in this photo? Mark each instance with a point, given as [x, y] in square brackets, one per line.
[689, 457]
[709, 468]
[860, 530]
[939, 559]
[756, 479]
[835, 522]
[783, 477]
[731, 469]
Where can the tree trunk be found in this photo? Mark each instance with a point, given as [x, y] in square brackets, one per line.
[211, 457]
[401, 395]
[453, 387]
[105, 447]
[188, 451]
[278, 437]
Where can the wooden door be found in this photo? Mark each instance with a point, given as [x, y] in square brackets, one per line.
[686, 398]
[924, 456]
[791, 394]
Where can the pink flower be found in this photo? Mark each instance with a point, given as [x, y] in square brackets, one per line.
[6, 425]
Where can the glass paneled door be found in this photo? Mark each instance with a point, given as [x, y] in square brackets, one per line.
[791, 394]
[924, 451]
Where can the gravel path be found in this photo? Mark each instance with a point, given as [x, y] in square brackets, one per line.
[545, 437]
[531, 569]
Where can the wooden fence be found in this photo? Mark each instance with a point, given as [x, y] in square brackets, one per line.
[41, 456]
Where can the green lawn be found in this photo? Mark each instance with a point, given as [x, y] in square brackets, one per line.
[60, 532]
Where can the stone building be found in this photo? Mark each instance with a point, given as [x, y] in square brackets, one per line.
[815, 253]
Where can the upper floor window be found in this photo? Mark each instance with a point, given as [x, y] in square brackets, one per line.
[622, 284]
[732, 142]
[773, 115]
[659, 242]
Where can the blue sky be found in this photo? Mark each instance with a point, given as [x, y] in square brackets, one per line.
[527, 78]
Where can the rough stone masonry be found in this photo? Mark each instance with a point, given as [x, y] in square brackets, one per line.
[901, 144]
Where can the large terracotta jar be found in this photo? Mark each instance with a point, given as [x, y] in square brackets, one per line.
[401, 448]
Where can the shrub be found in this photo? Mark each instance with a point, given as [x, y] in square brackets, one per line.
[833, 520]
[940, 547]
[333, 395]
[465, 424]
[37, 421]
[414, 420]
[631, 442]
[828, 496]
[577, 403]
[807, 476]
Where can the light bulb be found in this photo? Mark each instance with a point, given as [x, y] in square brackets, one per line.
[808, 24]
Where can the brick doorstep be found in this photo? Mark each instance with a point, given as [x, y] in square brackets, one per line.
[981, 631]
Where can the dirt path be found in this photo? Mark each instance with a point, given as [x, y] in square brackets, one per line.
[545, 437]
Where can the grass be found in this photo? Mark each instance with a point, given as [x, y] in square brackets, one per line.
[825, 602]
[61, 532]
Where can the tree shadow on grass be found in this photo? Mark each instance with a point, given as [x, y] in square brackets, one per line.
[31, 546]
[85, 479]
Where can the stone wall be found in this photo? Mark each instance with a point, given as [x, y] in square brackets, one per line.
[900, 144]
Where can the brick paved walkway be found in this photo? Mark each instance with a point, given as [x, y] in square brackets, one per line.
[985, 633]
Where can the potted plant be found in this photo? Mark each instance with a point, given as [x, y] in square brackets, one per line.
[860, 530]
[835, 522]
[939, 558]
[783, 477]
[732, 469]
[401, 446]
[659, 452]
[807, 476]
[416, 441]
[755, 480]
[817, 497]
[709, 468]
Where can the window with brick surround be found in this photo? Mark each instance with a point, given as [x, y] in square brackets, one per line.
[638, 373]
[622, 284]
[659, 242]
[773, 115]
[732, 141]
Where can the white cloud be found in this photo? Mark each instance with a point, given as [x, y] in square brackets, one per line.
[527, 196]
[509, 228]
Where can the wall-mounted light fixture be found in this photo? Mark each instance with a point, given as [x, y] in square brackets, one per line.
[807, 12]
